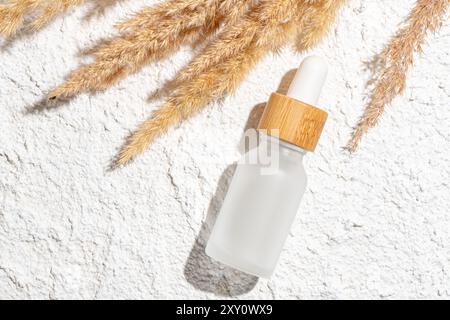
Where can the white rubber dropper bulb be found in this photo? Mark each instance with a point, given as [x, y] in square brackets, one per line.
[309, 80]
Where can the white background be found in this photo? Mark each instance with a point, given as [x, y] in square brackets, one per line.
[375, 224]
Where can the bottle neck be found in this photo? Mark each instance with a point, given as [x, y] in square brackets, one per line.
[285, 147]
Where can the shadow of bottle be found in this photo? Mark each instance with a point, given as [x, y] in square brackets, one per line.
[200, 270]
[203, 272]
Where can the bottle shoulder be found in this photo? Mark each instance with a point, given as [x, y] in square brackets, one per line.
[275, 154]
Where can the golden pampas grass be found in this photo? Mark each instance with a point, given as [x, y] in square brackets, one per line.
[149, 35]
[397, 58]
[321, 16]
[14, 12]
[221, 67]
[188, 100]
[236, 35]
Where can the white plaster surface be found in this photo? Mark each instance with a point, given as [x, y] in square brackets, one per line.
[375, 224]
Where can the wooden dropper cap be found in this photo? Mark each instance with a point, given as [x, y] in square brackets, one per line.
[293, 117]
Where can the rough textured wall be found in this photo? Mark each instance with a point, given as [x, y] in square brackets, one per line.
[372, 225]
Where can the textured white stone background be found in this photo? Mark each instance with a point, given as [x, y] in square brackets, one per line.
[372, 225]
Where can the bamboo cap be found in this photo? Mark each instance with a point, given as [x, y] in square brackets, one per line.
[293, 118]
[294, 121]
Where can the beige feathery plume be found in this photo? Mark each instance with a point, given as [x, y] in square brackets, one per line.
[13, 13]
[51, 10]
[189, 100]
[183, 10]
[316, 27]
[151, 34]
[220, 68]
[397, 58]
[231, 41]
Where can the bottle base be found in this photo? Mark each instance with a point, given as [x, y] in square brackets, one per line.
[217, 254]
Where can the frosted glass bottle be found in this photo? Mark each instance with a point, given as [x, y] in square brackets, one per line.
[264, 195]
[258, 211]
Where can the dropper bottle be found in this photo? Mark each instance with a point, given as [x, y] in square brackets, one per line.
[264, 196]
